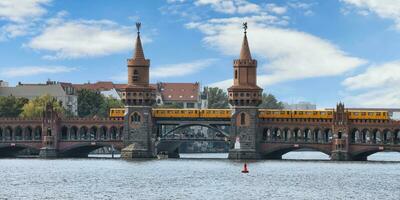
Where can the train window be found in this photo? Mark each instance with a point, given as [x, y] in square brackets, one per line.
[323, 113]
[315, 113]
[268, 112]
[378, 114]
[300, 113]
[384, 114]
[295, 112]
[363, 114]
[370, 114]
[356, 113]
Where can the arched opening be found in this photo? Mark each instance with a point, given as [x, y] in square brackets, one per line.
[64, 133]
[83, 150]
[73, 133]
[8, 133]
[365, 136]
[135, 75]
[316, 135]
[302, 152]
[276, 135]
[38, 133]
[121, 131]
[28, 133]
[242, 119]
[286, 134]
[396, 136]
[265, 134]
[327, 135]
[387, 136]
[103, 133]
[384, 156]
[340, 135]
[296, 134]
[355, 136]
[93, 133]
[83, 133]
[236, 74]
[307, 134]
[135, 118]
[113, 132]
[1, 134]
[18, 133]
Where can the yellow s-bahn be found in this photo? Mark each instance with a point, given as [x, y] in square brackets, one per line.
[364, 114]
[264, 114]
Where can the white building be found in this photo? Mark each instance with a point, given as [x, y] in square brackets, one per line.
[63, 92]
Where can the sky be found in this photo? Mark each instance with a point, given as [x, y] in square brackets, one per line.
[320, 51]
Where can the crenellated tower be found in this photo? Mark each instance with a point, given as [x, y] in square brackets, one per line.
[340, 129]
[244, 96]
[138, 97]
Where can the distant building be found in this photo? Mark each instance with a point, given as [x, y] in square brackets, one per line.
[186, 94]
[3, 83]
[300, 106]
[63, 92]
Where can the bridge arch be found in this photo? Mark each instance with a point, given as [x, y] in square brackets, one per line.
[83, 133]
[6, 150]
[73, 133]
[38, 133]
[82, 149]
[28, 133]
[362, 155]
[277, 151]
[220, 132]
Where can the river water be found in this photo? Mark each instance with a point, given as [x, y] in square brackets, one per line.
[193, 177]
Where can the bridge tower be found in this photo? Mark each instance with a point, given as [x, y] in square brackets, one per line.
[50, 129]
[340, 139]
[138, 97]
[244, 96]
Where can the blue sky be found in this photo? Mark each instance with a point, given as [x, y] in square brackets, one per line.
[321, 51]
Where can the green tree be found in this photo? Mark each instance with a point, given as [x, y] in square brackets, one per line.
[109, 102]
[35, 107]
[11, 106]
[217, 98]
[89, 103]
[269, 101]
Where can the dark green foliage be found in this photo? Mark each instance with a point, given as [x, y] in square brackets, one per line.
[217, 98]
[269, 101]
[11, 106]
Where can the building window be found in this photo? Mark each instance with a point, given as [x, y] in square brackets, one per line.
[236, 74]
[242, 119]
[135, 75]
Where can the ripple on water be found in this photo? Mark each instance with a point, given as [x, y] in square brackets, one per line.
[196, 179]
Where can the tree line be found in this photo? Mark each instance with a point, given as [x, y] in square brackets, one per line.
[94, 104]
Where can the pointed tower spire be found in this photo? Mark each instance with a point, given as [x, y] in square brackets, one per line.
[245, 51]
[138, 54]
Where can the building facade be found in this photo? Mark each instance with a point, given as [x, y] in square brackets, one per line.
[63, 92]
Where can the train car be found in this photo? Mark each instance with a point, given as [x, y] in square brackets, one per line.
[272, 113]
[117, 113]
[312, 114]
[365, 114]
[176, 113]
[215, 113]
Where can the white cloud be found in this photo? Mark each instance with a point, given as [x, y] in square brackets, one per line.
[230, 6]
[276, 9]
[173, 70]
[19, 16]
[83, 38]
[386, 9]
[289, 54]
[378, 86]
[34, 70]
[20, 11]
[180, 69]
[375, 77]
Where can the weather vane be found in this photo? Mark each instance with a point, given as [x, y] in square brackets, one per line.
[245, 27]
[138, 24]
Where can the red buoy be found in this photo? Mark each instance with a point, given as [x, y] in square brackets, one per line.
[245, 170]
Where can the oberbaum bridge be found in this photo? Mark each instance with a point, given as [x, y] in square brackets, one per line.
[252, 133]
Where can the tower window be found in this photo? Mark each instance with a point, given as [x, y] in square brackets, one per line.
[135, 75]
[242, 119]
[135, 118]
[236, 74]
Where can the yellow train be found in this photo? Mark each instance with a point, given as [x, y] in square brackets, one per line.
[363, 114]
[264, 113]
